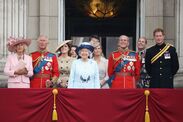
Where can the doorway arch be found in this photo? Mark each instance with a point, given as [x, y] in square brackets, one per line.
[73, 23]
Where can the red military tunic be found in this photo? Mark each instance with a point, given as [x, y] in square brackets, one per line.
[49, 71]
[129, 74]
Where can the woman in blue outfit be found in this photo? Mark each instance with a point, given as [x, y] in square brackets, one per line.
[84, 71]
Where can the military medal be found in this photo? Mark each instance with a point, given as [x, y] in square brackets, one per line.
[46, 67]
[129, 67]
[167, 55]
[42, 69]
[133, 68]
[48, 59]
[144, 71]
[131, 63]
[48, 64]
[143, 60]
[124, 68]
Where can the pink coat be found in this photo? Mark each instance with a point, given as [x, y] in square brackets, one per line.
[11, 65]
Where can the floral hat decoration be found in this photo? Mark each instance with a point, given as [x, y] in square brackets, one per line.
[12, 42]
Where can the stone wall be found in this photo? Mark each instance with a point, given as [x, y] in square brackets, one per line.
[43, 20]
[3, 78]
[160, 13]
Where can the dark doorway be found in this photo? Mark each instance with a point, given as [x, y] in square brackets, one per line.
[80, 25]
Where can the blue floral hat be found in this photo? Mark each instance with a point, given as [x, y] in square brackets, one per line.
[85, 45]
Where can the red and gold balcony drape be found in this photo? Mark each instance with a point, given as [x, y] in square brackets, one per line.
[91, 105]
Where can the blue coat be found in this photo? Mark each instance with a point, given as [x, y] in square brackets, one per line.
[84, 74]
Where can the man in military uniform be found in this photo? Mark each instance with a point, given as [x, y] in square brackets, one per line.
[161, 62]
[45, 66]
[123, 66]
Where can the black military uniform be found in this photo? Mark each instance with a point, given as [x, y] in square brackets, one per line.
[164, 68]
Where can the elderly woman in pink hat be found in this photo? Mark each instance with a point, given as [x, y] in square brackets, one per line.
[18, 65]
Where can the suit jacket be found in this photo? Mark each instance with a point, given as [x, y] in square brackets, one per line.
[164, 68]
[12, 65]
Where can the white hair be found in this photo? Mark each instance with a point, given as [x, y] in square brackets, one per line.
[90, 53]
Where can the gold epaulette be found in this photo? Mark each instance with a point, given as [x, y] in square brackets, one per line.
[160, 53]
[32, 53]
[36, 58]
[170, 44]
[116, 59]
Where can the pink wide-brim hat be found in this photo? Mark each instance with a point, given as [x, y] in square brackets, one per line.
[12, 42]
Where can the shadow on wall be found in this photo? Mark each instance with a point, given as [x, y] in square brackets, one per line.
[3, 84]
[3, 78]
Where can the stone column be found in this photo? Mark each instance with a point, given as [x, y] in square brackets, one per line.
[153, 18]
[49, 21]
[61, 20]
[179, 43]
[180, 38]
[12, 23]
[43, 20]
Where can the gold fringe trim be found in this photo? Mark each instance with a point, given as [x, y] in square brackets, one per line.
[147, 115]
[160, 53]
[54, 114]
[38, 60]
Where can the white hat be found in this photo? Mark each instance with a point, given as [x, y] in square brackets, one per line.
[61, 44]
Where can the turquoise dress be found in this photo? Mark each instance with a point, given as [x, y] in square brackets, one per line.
[84, 74]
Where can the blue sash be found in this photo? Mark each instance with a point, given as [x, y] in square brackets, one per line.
[118, 68]
[38, 68]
